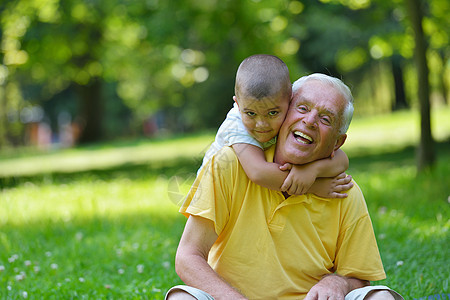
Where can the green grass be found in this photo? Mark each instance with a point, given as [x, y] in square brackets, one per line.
[108, 229]
[104, 234]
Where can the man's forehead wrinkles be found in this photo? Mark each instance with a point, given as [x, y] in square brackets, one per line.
[321, 108]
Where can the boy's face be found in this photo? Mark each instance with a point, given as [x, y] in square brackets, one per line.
[263, 117]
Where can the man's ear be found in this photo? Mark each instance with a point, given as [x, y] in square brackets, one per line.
[340, 141]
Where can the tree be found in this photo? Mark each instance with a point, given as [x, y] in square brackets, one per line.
[157, 54]
[426, 151]
[399, 83]
[178, 58]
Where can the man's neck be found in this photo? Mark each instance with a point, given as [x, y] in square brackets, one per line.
[278, 156]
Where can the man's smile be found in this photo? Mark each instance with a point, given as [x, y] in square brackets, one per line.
[302, 137]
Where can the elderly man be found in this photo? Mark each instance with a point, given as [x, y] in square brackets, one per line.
[243, 241]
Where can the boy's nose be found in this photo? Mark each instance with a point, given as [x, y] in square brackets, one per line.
[262, 123]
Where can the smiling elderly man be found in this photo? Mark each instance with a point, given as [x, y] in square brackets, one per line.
[245, 241]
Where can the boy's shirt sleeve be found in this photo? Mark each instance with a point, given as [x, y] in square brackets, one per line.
[232, 131]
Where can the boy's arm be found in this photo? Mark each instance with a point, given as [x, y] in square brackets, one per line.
[270, 176]
[301, 177]
[333, 166]
[332, 187]
[256, 167]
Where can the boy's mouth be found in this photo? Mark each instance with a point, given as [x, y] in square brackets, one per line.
[302, 137]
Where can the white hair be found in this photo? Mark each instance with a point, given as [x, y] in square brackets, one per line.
[337, 84]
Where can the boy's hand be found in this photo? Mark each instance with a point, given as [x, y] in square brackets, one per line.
[299, 180]
[286, 167]
[332, 187]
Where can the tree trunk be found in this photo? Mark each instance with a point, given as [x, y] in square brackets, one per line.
[3, 120]
[426, 151]
[399, 84]
[443, 81]
[91, 111]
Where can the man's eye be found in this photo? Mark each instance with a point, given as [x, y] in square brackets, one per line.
[326, 120]
[273, 113]
[302, 108]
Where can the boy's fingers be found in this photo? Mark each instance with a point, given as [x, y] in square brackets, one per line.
[285, 167]
[286, 185]
[343, 187]
[292, 190]
[342, 175]
[295, 190]
[345, 180]
[347, 186]
[338, 195]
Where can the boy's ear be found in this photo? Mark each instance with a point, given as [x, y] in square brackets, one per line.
[235, 100]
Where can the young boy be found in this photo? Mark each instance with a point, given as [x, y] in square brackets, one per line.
[263, 92]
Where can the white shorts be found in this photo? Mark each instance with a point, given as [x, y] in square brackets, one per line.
[196, 293]
[358, 294]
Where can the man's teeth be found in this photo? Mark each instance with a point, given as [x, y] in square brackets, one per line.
[301, 137]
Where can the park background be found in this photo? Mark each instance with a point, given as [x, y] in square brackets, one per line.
[106, 108]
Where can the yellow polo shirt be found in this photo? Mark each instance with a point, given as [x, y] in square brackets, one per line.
[269, 247]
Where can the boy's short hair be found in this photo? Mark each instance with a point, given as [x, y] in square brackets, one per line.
[262, 75]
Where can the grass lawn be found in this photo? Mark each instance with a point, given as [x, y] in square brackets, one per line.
[101, 222]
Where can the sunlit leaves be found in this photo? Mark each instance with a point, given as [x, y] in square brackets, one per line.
[124, 32]
[439, 37]
[288, 47]
[81, 13]
[156, 53]
[47, 10]
[353, 4]
[296, 7]
[14, 27]
[379, 48]
[279, 23]
[349, 60]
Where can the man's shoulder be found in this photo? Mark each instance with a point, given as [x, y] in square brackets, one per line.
[355, 191]
[355, 201]
[226, 151]
[225, 159]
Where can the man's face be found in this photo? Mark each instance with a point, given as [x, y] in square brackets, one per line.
[311, 128]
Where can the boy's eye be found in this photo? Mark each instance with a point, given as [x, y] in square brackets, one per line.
[250, 113]
[273, 113]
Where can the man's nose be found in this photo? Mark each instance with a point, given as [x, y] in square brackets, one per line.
[310, 119]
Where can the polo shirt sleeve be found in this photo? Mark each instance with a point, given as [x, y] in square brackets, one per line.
[357, 252]
[211, 194]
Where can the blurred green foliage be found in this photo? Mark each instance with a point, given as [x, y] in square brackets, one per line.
[112, 65]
